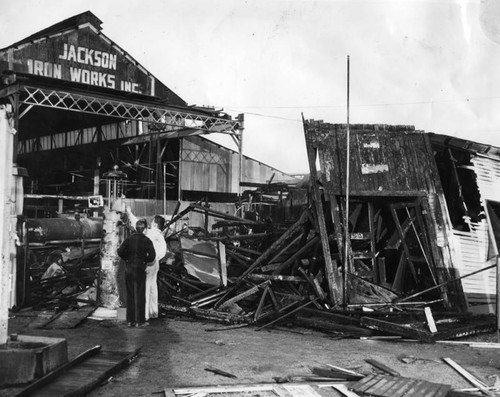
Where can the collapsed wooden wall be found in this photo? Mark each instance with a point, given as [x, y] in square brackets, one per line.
[391, 168]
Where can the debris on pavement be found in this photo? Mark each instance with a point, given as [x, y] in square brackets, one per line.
[220, 372]
[80, 375]
[278, 276]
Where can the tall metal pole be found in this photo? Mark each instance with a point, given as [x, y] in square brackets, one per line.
[241, 119]
[164, 188]
[346, 214]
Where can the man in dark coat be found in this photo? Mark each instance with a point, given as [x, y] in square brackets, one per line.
[137, 250]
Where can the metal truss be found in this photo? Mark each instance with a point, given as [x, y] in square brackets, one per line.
[36, 96]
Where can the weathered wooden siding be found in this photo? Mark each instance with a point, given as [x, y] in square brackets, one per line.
[207, 166]
[384, 160]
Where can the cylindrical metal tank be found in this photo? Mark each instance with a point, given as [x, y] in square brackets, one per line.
[44, 230]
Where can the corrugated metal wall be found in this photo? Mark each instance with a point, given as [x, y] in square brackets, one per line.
[472, 254]
[488, 177]
[207, 166]
[473, 249]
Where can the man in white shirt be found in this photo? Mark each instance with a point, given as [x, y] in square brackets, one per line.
[154, 233]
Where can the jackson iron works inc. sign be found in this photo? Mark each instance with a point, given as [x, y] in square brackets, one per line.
[73, 64]
[81, 57]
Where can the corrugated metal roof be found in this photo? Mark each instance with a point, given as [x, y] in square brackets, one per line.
[464, 144]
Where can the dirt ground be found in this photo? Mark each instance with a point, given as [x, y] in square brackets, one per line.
[176, 350]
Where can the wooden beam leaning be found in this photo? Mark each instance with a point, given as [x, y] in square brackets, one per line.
[280, 242]
[246, 294]
[297, 255]
[320, 216]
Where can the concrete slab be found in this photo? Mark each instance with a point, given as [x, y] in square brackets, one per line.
[25, 358]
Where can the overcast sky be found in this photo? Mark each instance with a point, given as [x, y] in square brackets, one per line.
[431, 64]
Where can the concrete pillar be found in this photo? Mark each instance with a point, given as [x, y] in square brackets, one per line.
[6, 227]
[109, 296]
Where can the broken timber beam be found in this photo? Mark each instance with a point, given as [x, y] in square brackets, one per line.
[396, 329]
[265, 256]
[314, 284]
[246, 294]
[382, 367]
[320, 216]
[217, 214]
[297, 255]
[442, 284]
[286, 249]
[276, 277]
[467, 375]
[253, 236]
[288, 313]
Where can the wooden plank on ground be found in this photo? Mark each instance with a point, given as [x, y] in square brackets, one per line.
[382, 367]
[43, 318]
[79, 379]
[301, 390]
[323, 324]
[36, 385]
[341, 388]
[294, 389]
[468, 376]
[396, 386]
[70, 319]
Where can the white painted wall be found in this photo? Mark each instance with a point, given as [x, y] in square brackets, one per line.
[6, 266]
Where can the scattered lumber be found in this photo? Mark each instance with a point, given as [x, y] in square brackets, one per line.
[335, 372]
[220, 372]
[382, 367]
[278, 273]
[469, 377]
[80, 375]
[459, 327]
[397, 386]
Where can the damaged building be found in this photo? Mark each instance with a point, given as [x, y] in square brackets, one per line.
[394, 232]
[422, 212]
[89, 125]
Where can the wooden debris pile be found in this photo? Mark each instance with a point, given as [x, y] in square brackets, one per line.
[64, 281]
[331, 380]
[251, 272]
[255, 275]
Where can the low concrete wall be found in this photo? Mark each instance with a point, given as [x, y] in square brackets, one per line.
[30, 357]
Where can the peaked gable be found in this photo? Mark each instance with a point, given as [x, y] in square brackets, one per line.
[75, 50]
